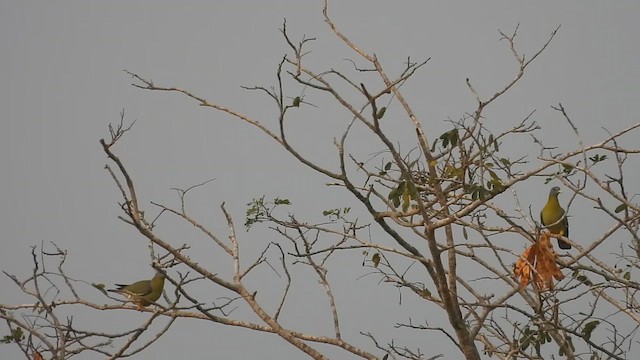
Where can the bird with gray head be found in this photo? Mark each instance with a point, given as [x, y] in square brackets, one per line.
[553, 217]
[144, 292]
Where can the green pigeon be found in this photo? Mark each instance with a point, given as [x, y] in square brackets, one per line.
[144, 292]
[553, 217]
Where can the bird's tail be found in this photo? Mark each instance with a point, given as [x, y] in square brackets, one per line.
[120, 287]
[564, 245]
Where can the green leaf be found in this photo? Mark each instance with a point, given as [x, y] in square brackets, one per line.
[16, 335]
[494, 142]
[495, 183]
[411, 190]
[381, 112]
[100, 287]
[396, 201]
[7, 339]
[478, 192]
[279, 201]
[449, 137]
[627, 276]
[375, 259]
[255, 213]
[385, 357]
[387, 166]
[433, 147]
[449, 171]
[585, 280]
[394, 195]
[621, 208]
[567, 168]
[296, 101]
[570, 343]
[598, 158]
[332, 212]
[406, 201]
[454, 137]
[588, 329]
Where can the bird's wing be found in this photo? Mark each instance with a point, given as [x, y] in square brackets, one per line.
[140, 288]
[565, 224]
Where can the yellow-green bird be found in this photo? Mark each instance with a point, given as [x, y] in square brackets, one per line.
[144, 292]
[553, 217]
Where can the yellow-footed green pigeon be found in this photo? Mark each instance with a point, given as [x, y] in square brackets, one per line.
[552, 216]
[144, 292]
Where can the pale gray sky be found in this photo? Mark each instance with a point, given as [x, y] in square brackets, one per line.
[62, 83]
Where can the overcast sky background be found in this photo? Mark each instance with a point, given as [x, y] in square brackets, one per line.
[62, 83]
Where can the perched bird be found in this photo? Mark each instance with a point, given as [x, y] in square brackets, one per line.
[553, 217]
[144, 292]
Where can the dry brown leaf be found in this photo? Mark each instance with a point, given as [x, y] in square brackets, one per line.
[523, 269]
[538, 261]
[37, 356]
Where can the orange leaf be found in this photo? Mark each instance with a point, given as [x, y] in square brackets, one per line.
[523, 268]
[538, 261]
